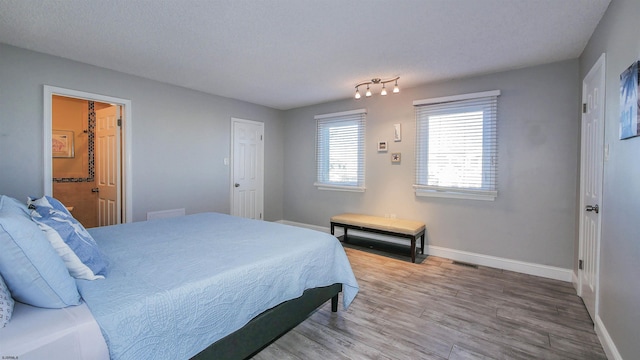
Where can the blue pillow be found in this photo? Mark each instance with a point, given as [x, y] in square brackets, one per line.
[6, 304]
[65, 233]
[31, 268]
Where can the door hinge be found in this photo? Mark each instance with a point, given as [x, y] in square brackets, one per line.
[580, 265]
[261, 137]
[260, 216]
[584, 108]
[119, 122]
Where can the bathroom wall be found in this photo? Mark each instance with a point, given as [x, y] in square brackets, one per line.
[74, 176]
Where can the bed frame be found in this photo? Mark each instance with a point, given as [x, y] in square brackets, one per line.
[270, 325]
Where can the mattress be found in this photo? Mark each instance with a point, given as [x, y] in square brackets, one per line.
[177, 285]
[37, 333]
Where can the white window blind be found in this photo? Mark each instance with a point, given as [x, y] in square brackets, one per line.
[457, 146]
[340, 150]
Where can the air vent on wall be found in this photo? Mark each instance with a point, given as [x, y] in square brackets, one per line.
[163, 214]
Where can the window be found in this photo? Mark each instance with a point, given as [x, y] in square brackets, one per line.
[340, 150]
[456, 146]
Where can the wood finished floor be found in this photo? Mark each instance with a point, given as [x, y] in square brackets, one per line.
[441, 310]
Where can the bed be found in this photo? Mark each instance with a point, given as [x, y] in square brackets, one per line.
[200, 286]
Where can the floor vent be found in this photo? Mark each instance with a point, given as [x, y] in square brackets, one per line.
[465, 264]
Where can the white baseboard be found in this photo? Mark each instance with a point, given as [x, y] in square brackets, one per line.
[308, 226]
[609, 347]
[545, 271]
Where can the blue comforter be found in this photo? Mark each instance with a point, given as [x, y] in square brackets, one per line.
[176, 285]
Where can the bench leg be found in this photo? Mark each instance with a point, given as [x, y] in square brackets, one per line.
[422, 244]
[413, 249]
[344, 238]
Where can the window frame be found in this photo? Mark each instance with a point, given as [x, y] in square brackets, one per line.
[324, 122]
[488, 191]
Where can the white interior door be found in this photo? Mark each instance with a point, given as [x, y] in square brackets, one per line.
[247, 179]
[107, 158]
[592, 150]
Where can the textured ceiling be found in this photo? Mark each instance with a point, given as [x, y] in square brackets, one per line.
[291, 53]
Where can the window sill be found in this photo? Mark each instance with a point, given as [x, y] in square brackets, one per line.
[339, 187]
[453, 194]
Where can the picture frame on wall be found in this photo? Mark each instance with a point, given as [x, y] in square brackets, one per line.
[62, 144]
[629, 102]
[395, 158]
[382, 146]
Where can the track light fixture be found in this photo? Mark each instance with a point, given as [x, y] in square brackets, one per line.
[383, 92]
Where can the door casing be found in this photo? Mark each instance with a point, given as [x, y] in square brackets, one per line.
[127, 186]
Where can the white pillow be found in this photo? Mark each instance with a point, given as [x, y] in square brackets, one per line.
[72, 242]
[76, 267]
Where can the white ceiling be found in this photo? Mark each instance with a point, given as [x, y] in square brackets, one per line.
[291, 53]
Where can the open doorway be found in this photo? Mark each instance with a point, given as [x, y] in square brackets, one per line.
[87, 165]
[86, 158]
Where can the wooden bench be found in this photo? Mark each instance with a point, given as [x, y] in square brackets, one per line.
[395, 227]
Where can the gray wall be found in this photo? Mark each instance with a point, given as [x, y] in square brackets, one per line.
[533, 218]
[179, 136]
[619, 307]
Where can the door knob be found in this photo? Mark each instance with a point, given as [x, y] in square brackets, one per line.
[95, 190]
[594, 208]
[237, 185]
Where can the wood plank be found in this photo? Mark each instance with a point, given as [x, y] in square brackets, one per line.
[460, 353]
[439, 310]
[575, 330]
[580, 350]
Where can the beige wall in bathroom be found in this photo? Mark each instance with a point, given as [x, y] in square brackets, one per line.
[72, 115]
[79, 196]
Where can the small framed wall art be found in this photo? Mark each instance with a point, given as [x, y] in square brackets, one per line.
[395, 158]
[382, 146]
[62, 144]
